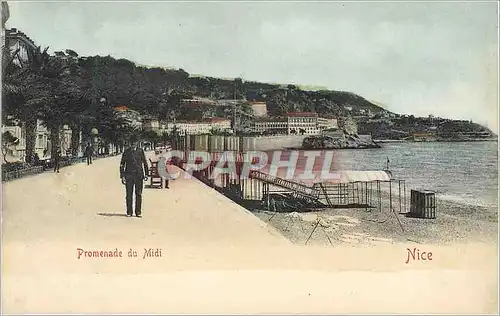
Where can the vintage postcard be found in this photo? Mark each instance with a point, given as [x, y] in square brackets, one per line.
[249, 157]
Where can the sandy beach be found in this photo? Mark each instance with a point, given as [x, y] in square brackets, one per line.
[454, 223]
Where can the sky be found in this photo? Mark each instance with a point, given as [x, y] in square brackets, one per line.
[417, 58]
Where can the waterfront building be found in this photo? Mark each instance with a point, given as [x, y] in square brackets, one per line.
[302, 121]
[334, 133]
[199, 127]
[275, 125]
[294, 123]
[428, 136]
[327, 123]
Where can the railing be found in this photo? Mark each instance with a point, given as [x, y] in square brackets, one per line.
[290, 185]
[15, 174]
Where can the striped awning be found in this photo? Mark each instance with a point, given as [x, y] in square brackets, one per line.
[349, 176]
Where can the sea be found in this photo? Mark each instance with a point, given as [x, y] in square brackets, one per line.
[463, 172]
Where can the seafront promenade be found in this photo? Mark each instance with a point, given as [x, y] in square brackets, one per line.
[205, 254]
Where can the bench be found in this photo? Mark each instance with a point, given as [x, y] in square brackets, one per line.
[155, 181]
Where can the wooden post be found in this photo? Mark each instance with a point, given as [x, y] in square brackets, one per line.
[379, 196]
[326, 195]
[404, 184]
[390, 195]
[399, 185]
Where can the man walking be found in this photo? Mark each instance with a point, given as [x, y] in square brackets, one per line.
[88, 153]
[57, 160]
[134, 170]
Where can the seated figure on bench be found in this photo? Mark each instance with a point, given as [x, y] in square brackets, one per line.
[155, 178]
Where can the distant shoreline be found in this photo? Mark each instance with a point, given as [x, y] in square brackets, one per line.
[434, 141]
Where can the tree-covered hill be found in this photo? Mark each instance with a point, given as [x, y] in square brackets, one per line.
[147, 89]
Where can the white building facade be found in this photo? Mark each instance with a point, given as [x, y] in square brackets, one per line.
[303, 123]
[326, 123]
[306, 123]
[199, 127]
[276, 125]
[43, 145]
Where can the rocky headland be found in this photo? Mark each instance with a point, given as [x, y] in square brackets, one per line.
[326, 141]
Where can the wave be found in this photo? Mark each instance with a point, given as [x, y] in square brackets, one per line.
[442, 195]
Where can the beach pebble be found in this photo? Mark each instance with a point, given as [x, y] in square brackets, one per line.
[324, 223]
[293, 215]
[344, 220]
[309, 217]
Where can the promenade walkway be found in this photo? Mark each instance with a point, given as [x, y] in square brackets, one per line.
[216, 257]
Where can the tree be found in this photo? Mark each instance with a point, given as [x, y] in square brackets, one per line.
[152, 137]
[23, 89]
[64, 94]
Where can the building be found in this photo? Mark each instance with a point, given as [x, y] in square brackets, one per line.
[131, 117]
[153, 125]
[19, 44]
[334, 133]
[305, 123]
[325, 123]
[43, 146]
[366, 112]
[302, 121]
[275, 125]
[199, 127]
[424, 136]
[259, 109]
[198, 101]
[65, 140]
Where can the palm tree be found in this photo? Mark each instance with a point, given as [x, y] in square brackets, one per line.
[60, 96]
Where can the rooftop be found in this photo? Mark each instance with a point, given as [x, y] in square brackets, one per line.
[15, 33]
[302, 114]
[270, 119]
[121, 108]
[204, 121]
[199, 100]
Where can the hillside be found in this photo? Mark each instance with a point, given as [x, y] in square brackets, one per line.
[146, 89]
[406, 127]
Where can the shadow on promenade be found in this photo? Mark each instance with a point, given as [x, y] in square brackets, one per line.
[112, 214]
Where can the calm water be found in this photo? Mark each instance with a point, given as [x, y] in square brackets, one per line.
[464, 172]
